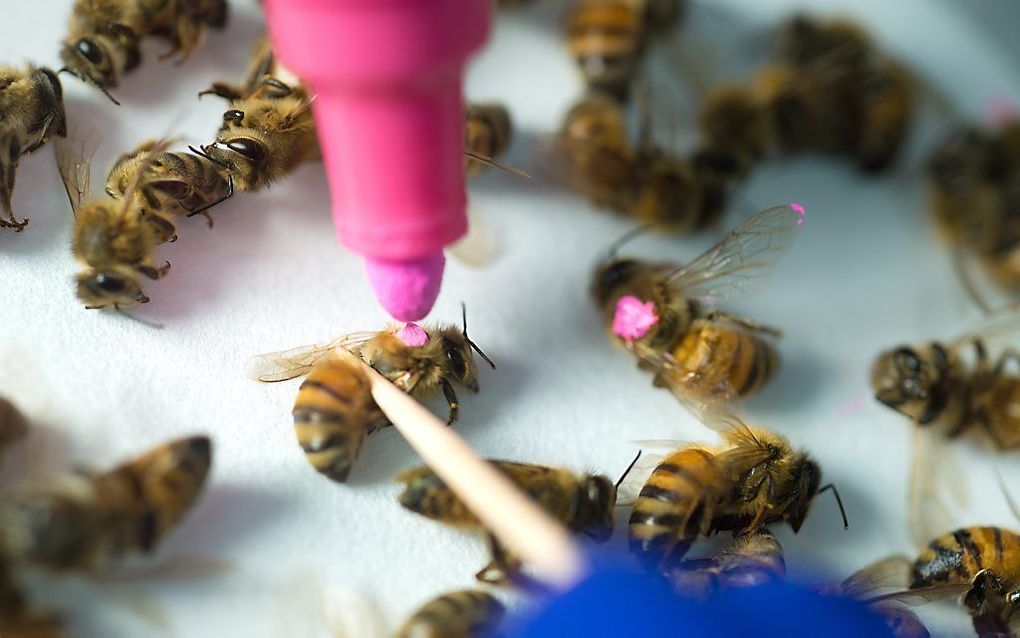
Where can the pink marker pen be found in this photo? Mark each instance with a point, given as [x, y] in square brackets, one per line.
[389, 109]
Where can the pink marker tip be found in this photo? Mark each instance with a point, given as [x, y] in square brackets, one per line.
[633, 318]
[407, 289]
[413, 335]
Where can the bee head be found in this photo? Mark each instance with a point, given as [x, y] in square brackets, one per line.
[95, 59]
[457, 347]
[246, 158]
[101, 288]
[595, 508]
[173, 475]
[909, 381]
[610, 276]
[50, 83]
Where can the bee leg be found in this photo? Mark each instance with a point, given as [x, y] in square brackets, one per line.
[1008, 355]
[154, 273]
[501, 568]
[743, 322]
[202, 209]
[451, 399]
[223, 90]
[275, 88]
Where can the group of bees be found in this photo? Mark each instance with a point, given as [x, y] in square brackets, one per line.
[831, 90]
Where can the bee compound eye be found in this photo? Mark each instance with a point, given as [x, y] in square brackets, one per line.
[110, 284]
[254, 151]
[88, 49]
[234, 116]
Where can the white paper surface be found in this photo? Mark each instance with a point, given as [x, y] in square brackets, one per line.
[866, 273]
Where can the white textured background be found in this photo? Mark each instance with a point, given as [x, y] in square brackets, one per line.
[866, 273]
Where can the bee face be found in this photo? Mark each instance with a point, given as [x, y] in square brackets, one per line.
[246, 158]
[89, 58]
[101, 288]
[460, 359]
[595, 512]
[908, 381]
[611, 276]
[809, 478]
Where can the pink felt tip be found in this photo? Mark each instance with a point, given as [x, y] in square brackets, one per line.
[633, 318]
[413, 335]
[406, 289]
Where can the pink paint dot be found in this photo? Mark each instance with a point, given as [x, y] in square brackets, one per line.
[633, 318]
[413, 335]
[1000, 110]
[800, 209]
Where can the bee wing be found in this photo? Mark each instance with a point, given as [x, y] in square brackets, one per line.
[604, 177]
[75, 168]
[932, 465]
[288, 364]
[480, 246]
[893, 571]
[745, 257]
[998, 324]
[922, 595]
[628, 490]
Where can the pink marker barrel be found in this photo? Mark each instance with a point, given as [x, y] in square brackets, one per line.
[387, 79]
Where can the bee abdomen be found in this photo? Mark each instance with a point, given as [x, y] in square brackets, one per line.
[333, 413]
[675, 506]
[724, 360]
[957, 556]
[426, 494]
[465, 613]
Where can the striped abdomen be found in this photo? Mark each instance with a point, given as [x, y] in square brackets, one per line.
[333, 413]
[487, 132]
[719, 359]
[676, 505]
[956, 557]
[460, 614]
[606, 38]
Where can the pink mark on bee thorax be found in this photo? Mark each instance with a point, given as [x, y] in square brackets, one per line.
[413, 335]
[633, 318]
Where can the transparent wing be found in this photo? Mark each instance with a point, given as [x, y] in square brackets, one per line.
[628, 490]
[888, 572]
[922, 595]
[273, 367]
[480, 246]
[75, 168]
[600, 173]
[932, 467]
[998, 324]
[700, 394]
[744, 258]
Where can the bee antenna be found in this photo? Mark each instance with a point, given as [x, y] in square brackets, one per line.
[474, 346]
[630, 467]
[839, 501]
[615, 247]
[84, 78]
[201, 152]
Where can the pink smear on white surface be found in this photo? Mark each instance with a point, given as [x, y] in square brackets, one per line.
[1000, 110]
[413, 335]
[800, 211]
[633, 318]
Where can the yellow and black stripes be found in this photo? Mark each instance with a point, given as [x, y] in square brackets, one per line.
[957, 556]
[717, 358]
[466, 613]
[333, 413]
[606, 38]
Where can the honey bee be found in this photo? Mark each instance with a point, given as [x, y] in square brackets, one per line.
[87, 519]
[864, 584]
[168, 185]
[582, 502]
[736, 130]
[933, 386]
[104, 36]
[591, 154]
[113, 241]
[608, 38]
[973, 181]
[665, 313]
[13, 427]
[487, 131]
[32, 104]
[756, 478]
[335, 411]
[752, 560]
[467, 613]
[835, 92]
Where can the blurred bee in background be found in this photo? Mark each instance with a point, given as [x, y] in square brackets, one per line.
[608, 38]
[864, 585]
[974, 178]
[13, 427]
[752, 560]
[592, 154]
[268, 129]
[335, 411]
[85, 520]
[582, 502]
[32, 104]
[113, 241]
[104, 36]
[835, 92]
[755, 479]
[467, 613]
[168, 185]
[665, 313]
[487, 132]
